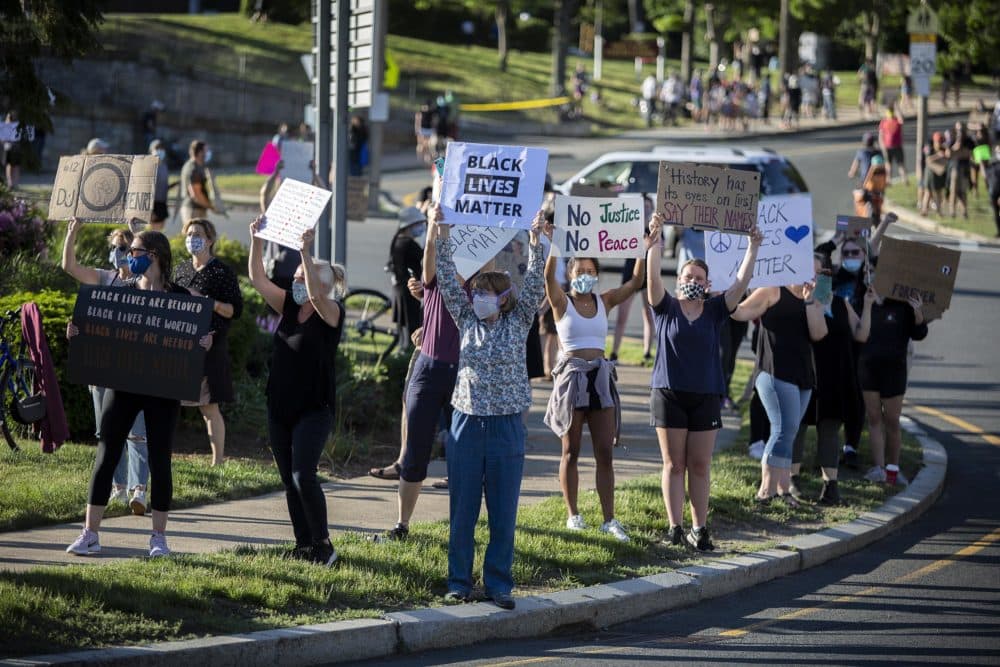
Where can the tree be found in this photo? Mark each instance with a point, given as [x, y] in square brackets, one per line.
[33, 29]
[562, 20]
[502, 15]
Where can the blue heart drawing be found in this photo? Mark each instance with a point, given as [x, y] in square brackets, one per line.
[797, 233]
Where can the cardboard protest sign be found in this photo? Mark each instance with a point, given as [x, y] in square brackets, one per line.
[297, 155]
[295, 208]
[598, 227]
[140, 341]
[911, 267]
[785, 256]
[492, 186]
[854, 226]
[268, 160]
[707, 197]
[472, 247]
[105, 188]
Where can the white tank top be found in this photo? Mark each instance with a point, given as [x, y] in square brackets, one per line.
[583, 333]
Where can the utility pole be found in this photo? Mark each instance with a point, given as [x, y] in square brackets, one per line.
[321, 101]
[341, 121]
[784, 38]
[598, 39]
[375, 119]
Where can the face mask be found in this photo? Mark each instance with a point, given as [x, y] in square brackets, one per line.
[194, 244]
[299, 293]
[162, 154]
[853, 265]
[208, 156]
[824, 289]
[485, 306]
[584, 283]
[118, 257]
[692, 291]
[419, 230]
[139, 265]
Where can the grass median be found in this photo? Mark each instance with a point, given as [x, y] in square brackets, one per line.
[980, 220]
[246, 589]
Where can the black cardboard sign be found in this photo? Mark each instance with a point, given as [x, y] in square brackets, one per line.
[139, 341]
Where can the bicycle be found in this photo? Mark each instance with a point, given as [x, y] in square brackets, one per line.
[368, 326]
[20, 404]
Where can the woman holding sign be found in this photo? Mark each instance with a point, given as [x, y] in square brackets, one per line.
[584, 381]
[301, 389]
[491, 391]
[206, 275]
[150, 262]
[687, 383]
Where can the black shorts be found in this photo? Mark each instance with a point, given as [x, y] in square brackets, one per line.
[894, 155]
[886, 375]
[159, 211]
[685, 409]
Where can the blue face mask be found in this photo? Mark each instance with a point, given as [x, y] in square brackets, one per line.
[584, 283]
[162, 154]
[299, 293]
[852, 265]
[139, 265]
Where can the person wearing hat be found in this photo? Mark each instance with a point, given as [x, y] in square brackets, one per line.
[159, 216]
[405, 257]
[863, 158]
[97, 147]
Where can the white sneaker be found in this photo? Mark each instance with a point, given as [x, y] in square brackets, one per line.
[576, 522]
[875, 474]
[757, 450]
[615, 529]
[158, 545]
[119, 493]
[138, 501]
[88, 543]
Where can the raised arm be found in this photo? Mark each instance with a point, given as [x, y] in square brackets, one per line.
[553, 290]
[862, 326]
[619, 294]
[875, 243]
[815, 317]
[328, 309]
[534, 283]
[273, 295]
[756, 304]
[84, 274]
[745, 273]
[654, 283]
[455, 298]
[429, 267]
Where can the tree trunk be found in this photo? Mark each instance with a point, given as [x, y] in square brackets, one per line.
[636, 16]
[502, 14]
[871, 35]
[687, 41]
[711, 38]
[563, 14]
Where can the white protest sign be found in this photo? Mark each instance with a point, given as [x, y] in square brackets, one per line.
[785, 256]
[297, 155]
[492, 186]
[472, 247]
[9, 132]
[295, 208]
[598, 227]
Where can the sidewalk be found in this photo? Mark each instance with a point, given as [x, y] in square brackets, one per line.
[358, 504]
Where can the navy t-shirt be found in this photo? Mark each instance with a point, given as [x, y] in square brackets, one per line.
[687, 352]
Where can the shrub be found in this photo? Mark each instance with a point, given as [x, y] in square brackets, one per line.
[26, 272]
[23, 228]
[91, 243]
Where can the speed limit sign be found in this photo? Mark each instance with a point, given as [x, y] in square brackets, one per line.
[923, 59]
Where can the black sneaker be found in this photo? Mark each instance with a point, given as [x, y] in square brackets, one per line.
[324, 554]
[830, 495]
[298, 552]
[793, 488]
[676, 536]
[398, 534]
[700, 540]
[503, 600]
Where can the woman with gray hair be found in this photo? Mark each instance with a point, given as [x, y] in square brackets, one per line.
[301, 389]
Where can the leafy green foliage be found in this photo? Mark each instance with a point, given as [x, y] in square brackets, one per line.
[23, 228]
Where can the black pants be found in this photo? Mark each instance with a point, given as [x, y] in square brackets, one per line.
[118, 413]
[733, 333]
[994, 195]
[297, 444]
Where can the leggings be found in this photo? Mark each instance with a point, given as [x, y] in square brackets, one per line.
[827, 443]
[118, 414]
[785, 404]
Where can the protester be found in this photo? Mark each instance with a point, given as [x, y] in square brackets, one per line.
[158, 218]
[357, 145]
[992, 171]
[487, 434]
[790, 320]
[405, 257]
[935, 175]
[687, 383]
[648, 90]
[149, 260]
[301, 387]
[423, 128]
[207, 275]
[959, 164]
[863, 158]
[128, 483]
[96, 147]
[890, 139]
[12, 157]
[869, 199]
[868, 94]
[837, 390]
[584, 388]
[194, 182]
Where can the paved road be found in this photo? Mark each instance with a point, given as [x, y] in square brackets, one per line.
[927, 595]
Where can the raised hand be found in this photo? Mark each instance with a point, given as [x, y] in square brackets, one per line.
[655, 229]
[258, 223]
[756, 236]
[871, 296]
[73, 227]
[307, 240]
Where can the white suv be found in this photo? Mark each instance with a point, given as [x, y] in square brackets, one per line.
[638, 171]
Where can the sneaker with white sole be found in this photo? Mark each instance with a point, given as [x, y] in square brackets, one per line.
[158, 545]
[757, 450]
[118, 493]
[87, 543]
[576, 522]
[615, 529]
[138, 501]
[875, 474]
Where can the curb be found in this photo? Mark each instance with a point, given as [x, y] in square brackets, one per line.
[914, 219]
[595, 606]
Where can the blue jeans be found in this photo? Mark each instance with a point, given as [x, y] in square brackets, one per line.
[486, 454]
[297, 445]
[133, 469]
[785, 404]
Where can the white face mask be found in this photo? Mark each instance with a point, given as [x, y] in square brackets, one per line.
[194, 244]
[300, 294]
[485, 307]
[584, 283]
[208, 156]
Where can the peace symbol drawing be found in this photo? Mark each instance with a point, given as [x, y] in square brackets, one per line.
[720, 242]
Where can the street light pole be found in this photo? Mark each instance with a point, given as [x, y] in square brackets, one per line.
[321, 102]
[341, 121]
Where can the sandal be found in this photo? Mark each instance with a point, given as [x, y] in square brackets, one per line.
[389, 473]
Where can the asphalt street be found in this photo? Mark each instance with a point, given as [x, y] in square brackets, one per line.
[929, 594]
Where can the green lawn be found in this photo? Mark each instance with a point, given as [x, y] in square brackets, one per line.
[980, 213]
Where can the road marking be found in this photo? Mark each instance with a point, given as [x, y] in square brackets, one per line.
[955, 421]
[930, 568]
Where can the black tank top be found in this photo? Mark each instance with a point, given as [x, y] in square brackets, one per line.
[785, 349]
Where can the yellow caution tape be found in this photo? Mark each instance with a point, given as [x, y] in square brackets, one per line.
[516, 106]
